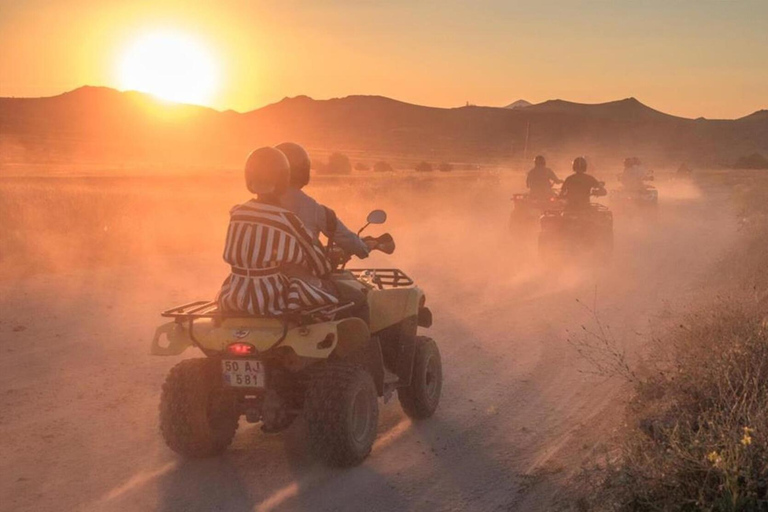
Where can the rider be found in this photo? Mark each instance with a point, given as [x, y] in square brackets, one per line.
[276, 266]
[316, 217]
[540, 179]
[633, 175]
[578, 187]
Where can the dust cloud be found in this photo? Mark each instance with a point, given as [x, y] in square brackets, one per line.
[87, 264]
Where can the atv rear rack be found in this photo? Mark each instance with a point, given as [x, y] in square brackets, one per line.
[210, 309]
[383, 277]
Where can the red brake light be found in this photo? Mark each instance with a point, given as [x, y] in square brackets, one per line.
[241, 349]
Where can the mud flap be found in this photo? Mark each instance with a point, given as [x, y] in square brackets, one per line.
[376, 364]
[177, 340]
[407, 350]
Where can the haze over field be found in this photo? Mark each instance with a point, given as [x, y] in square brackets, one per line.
[605, 356]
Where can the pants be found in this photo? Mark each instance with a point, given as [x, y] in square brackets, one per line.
[346, 292]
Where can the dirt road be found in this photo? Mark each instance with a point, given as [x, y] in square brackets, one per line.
[79, 392]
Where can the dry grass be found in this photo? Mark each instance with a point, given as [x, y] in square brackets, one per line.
[697, 426]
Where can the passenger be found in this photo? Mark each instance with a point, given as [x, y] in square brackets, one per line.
[263, 240]
[540, 180]
[578, 187]
[316, 217]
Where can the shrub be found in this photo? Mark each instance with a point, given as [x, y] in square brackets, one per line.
[362, 166]
[382, 166]
[338, 163]
[423, 167]
[445, 167]
[701, 441]
[753, 161]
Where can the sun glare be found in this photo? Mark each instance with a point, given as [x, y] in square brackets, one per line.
[172, 66]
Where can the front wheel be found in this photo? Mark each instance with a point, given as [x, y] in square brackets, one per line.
[420, 399]
[341, 410]
[198, 417]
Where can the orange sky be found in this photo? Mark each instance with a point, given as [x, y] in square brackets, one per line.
[687, 57]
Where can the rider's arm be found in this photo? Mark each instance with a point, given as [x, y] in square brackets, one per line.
[313, 253]
[333, 228]
[553, 177]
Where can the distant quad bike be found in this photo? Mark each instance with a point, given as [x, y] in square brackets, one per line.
[527, 211]
[642, 199]
[273, 369]
[584, 233]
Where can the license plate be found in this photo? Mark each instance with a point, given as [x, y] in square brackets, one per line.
[243, 373]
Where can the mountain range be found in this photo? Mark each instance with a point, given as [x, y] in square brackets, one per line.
[104, 126]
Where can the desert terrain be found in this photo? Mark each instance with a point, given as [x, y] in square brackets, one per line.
[87, 264]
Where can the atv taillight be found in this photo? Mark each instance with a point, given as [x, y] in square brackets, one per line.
[241, 349]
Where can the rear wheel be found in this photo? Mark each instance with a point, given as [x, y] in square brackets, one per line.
[420, 399]
[342, 413]
[198, 416]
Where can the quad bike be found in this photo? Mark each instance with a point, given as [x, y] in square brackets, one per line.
[527, 211]
[638, 199]
[585, 232]
[313, 363]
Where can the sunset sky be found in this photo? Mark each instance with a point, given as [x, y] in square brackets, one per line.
[686, 57]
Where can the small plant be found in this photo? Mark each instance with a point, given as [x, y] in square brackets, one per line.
[445, 167]
[338, 163]
[382, 166]
[424, 167]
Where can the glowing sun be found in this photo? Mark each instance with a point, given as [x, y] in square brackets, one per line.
[173, 66]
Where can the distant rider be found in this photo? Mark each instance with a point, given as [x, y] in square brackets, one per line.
[634, 175]
[540, 180]
[316, 217]
[578, 187]
[264, 240]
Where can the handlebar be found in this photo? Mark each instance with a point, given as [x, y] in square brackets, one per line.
[384, 243]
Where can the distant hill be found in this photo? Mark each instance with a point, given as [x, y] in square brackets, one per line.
[519, 104]
[104, 126]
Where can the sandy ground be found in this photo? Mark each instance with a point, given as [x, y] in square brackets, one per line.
[79, 392]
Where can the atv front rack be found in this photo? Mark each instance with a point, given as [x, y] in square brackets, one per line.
[382, 277]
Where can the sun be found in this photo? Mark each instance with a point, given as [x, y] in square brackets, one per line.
[171, 65]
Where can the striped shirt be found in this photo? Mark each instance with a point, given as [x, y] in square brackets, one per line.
[260, 240]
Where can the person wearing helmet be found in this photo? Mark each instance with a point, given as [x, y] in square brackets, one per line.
[540, 180]
[579, 186]
[634, 175]
[264, 240]
[317, 218]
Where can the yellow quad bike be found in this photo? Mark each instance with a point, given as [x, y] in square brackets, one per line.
[321, 363]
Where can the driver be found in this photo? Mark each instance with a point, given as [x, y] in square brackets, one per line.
[276, 267]
[316, 217]
[540, 180]
[578, 187]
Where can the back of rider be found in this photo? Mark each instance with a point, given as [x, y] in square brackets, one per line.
[577, 190]
[540, 181]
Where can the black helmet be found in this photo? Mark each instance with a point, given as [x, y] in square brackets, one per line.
[580, 164]
[299, 161]
[540, 161]
[267, 171]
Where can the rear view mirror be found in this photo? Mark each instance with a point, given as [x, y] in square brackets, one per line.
[377, 217]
